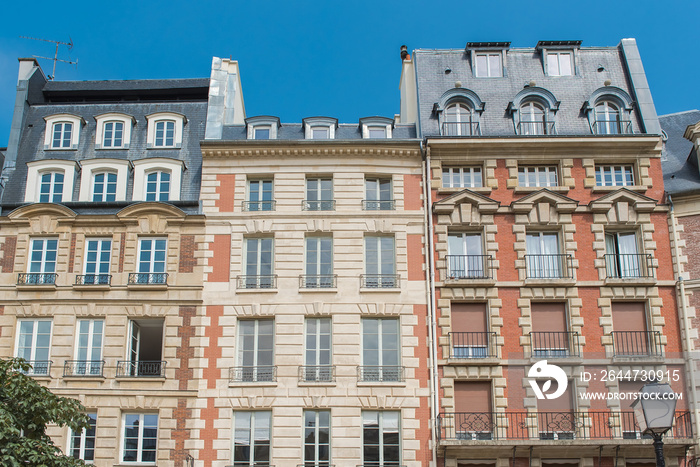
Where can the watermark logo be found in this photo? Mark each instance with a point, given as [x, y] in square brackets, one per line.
[541, 371]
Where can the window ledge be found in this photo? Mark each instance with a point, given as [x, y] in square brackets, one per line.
[261, 290]
[36, 287]
[318, 289]
[608, 189]
[365, 384]
[248, 384]
[564, 281]
[157, 379]
[532, 189]
[469, 283]
[147, 286]
[630, 281]
[380, 289]
[638, 358]
[40, 377]
[477, 189]
[96, 287]
[488, 361]
[60, 149]
[99, 378]
[312, 384]
[573, 360]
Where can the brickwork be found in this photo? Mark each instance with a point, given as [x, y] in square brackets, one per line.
[691, 235]
[413, 192]
[71, 254]
[122, 248]
[220, 260]
[226, 191]
[416, 257]
[7, 263]
[187, 258]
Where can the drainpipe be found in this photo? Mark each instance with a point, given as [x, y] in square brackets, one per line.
[432, 329]
[680, 290]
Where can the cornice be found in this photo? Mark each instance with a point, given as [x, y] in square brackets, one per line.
[304, 148]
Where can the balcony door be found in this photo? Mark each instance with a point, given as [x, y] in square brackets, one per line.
[550, 337]
[469, 337]
[465, 256]
[630, 333]
[556, 418]
[473, 410]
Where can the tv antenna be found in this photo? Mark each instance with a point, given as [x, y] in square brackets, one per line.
[55, 57]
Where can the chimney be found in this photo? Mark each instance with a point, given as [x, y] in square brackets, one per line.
[404, 53]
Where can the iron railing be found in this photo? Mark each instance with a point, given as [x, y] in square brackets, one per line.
[475, 426]
[317, 373]
[469, 266]
[379, 205]
[380, 374]
[461, 129]
[612, 127]
[549, 266]
[626, 266]
[39, 367]
[318, 205]
[252, 374]
[83, 368]
[555, 344]
[148, 278]
[636, 343]
[472, 344]
[259, 205]
[33, 278]
[257, 282]
[526, 128]
[93, 279]
[379, 281]
[317, 281]
[141, 369]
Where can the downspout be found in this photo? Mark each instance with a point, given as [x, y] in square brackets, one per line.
[680, 288]
[432, 329]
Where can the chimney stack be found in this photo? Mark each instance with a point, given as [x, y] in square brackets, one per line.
[404, 53]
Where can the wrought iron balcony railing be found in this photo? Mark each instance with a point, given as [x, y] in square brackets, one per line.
[526, 128]
[257, 282]
[549, 266]
[252, 374]
[380, 374]
[318, 205]
[83, 368]
[469, 266]
[461, 129]
[317, 373]
[636, 343]
[93, 279]
[550, 426]
[555, 344]
[612, 127]
[379, 205]
[33, 278]
[379, 281]
[472, 344]
[141, 369]
[317, 281]
[39, 367]
[627, 266]
[259, 205]
[148, 278]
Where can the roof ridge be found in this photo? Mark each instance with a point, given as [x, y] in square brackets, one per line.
[679, 113]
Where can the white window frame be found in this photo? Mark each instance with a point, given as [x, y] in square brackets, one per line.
[256, 350]
[179, 121]
[159, 192]
[316, 414]
[91, 335]
[557, 55]
[105, 186]
[473, 265]
[54, 185]
[102, 120]
[613, 170]
[318, 123]
[254, 131]
[258, 261]
[381, 364]
[33, 348]
[143, 167]
[537, 170]
[83, 437]
[462, 173]
[52, 120]
[100, 250]
[316, 352]
[152, 262]
[44, 250]
[380, 427]
[36, 169]
[381, 256]
[478, 72]
[91, 167]
[315, 243]
[260, 192]
[252, 428]
[139, 448]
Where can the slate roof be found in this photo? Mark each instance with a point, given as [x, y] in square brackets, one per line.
[679, 164]
[295, 131]
[522, 65]
[149, 89]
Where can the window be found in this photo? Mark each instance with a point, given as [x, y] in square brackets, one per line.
[320, 132]
[533, 120]
[260, 196]
[262, 127]
[378, 196]
[377, 132]
[380, 269]
[607, 119]
[158, 186]
[62, 132]
[622, 258]
[151, 266]
[631, 335]
[319, 127]
[614, 175]
[461, 177]
[34, 343]
[51, 190]
[42, 262]
[104, 186]
[82, 443]
[140, 438]
[376, 127]
[465, 256]
[113, 135]
[318, 350]
[488, 65]
[459, 121]
[165, 130]
[261, 133]
[317, 440]
[473, 410]
[97, 258]
[88, 348]
[113, 131]
[251, 438]
[165, 134]
[543, 259]
[556, 417]
[319, 263]
[258, 264]
[319, 194]
[560, 64]
[550, 336]
[538, 176]
[380, 350]
[256, 340]
[381, 438]
[145, 350]
[469, 336]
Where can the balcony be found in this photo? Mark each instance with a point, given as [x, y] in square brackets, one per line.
[564, 344]
[461, 129]
[636, 343]
[472, 345]
[549, 426]
[461, 267]
[148, 278]
[317, 281]
[317, 374]
[316, 205]
[140, 369]
[259, 205]
[32, 278]
[612, 127]
[94, 279]
[252, 374]
[39, 368]
[539, 128]
[379, 205]
[549, 266]
[379, 281]
[257, 282]
[380, 374]
[84, 368]
[628, 266]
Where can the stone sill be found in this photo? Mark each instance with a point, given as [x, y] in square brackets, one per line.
[563, 282]
[468, 283]
[644, 281]
[608, 189]
[321, 384]
[147, 286]
[275, 290]
[488, 361]
[87, 288]
[318, 289]
[141, 378]
[532, 189]
[33, 287]
[85, 378]
[485, 190]
[249, 384]
[380, 289]
[380, 384]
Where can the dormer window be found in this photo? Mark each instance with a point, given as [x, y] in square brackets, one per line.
[165, 134]
[158, 185]
[609, 111]
[532, 119]
[262, 133]
[487, 58]
[165, 130]
[103, 180]
[157, 179]
[320, 127]
[50, 181]
[533, 112]
[376, 127]
[113, 131]
[320, 132]
[62, 131]
[560, 64]
[559, 57]
[51, 188]
[262, 127]
[61, 135]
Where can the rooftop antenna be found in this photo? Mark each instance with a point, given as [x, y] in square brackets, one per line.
[55, 57]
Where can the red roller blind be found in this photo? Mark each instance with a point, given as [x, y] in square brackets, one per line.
[548, 317]
[469, 317]
[472, 396]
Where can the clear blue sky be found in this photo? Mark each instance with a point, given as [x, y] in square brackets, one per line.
[341, 59]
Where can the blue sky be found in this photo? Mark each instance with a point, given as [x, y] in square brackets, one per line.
[341, 59]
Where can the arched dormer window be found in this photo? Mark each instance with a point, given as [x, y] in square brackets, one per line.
[533, 111]
[609, 111]
[62, 131]
[103, 179]
[458, 120]
[607, 119]
[533, 120]
[157, 179]
[50, 181]
[458, 112]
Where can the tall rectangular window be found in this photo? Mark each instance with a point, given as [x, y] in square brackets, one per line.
[51, 188]
[152, 253]
[538, 176]
[317, 357]
[488, 65]
[251, 438]
[319, 194]
[256, 340]
[319, 263]
[543, 258]
[380, 262]
[104, 186]
[33, 344]
[88, 348]
[560, 64]
[461, 177]
[469, 336]
[317, 440]
[381, 438]
[82, 443]
[473, 410]
[622, 258]
[465, 258]
[140, 438]
[145, 350]
[113, 135]
[631, 336]
[258, 263]
[165, 134]
[550, 337]
[62, 132]
[260, 196]
[42, 261]
[378, 196]
[380, 350]
[97, 258]
[614, 175]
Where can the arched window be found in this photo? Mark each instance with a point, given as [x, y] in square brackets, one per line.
[158, 186]
[459, 121]
[104, 186]
[607, 119]
[533, 119]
